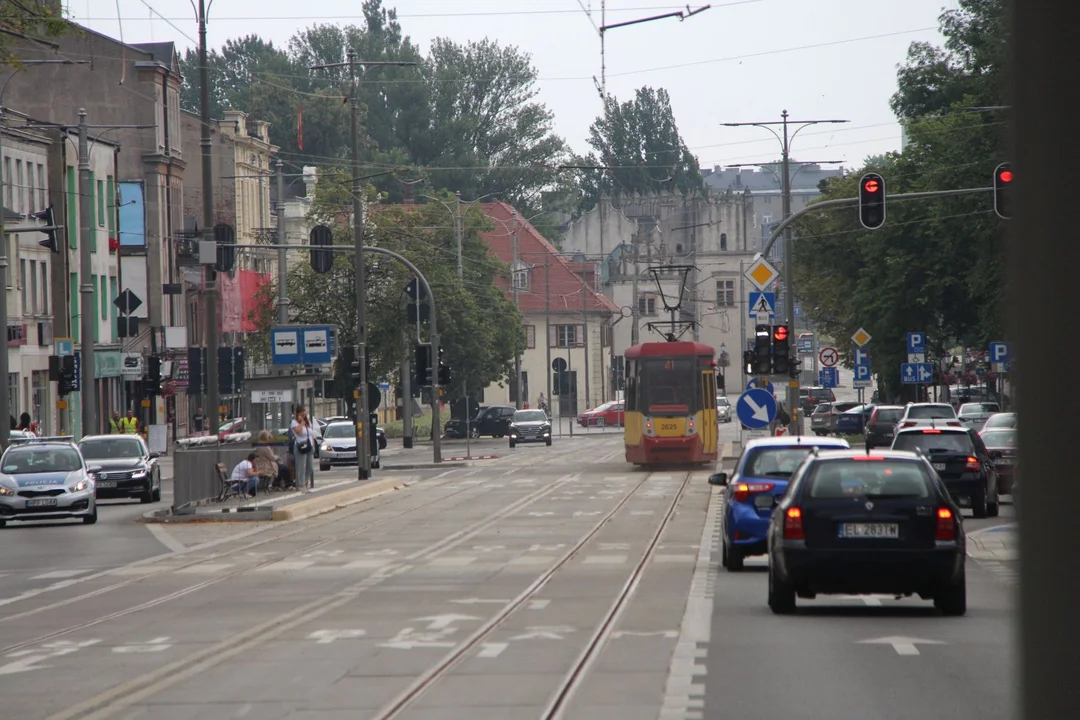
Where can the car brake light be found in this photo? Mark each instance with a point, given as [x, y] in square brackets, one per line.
[793, 529]
[931, 432]
[946, 525]
[744, 490]
[909, 424]
[972, 463]
[953, 423]
[868, 457]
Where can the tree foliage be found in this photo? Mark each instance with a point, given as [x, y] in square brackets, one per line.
[479, 327]
[27, 23]
[465, 117]
[638, 145]
[936, 265]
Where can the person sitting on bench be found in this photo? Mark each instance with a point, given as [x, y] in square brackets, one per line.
[245, 471]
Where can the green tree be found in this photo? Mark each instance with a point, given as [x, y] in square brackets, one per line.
[479, 327]
[935, 265]
[639, 147]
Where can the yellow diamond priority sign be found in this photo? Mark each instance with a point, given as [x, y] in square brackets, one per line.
[861, 337]
[761, 274]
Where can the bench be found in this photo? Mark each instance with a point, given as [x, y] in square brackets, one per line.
[229, 488]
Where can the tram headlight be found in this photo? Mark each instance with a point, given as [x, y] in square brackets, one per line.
[649, 429]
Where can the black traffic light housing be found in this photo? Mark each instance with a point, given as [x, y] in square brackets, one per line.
[1003, 182]
[422, 365]
[444, 370]
[225, 237]
[872, 201]
[781, 354]
[321, 237]
[153, 375]
[51, 240]
[762, 360]
[62, 370]
[795, 367]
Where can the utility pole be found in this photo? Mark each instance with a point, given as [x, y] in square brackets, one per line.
[635, 306]
[282, 261]
[363, 444]
[788, 271]
[459, 236]
[547, 331]
[210, 282]
[86, 286]
[517, 304]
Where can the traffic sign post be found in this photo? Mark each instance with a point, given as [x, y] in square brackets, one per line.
[756, 408]
[916, 347]
[829, 357]
[762, 303]
[916, 373]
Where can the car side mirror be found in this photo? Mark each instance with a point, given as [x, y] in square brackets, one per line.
[154, 455]
[719, 478]
[94, 469]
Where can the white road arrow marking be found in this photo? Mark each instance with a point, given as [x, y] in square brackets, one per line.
[376, 553]
[155, 645]
[488, 548]
[658, 633]
[546, 548]
[409, 639]
[614, 546]
[583, 513]
[902, 645]
[29, 659]
[760, 413]
[323, 553]
[325, 637]
[441, 622]
[540, 514]
[868, 600]
[544, 632]
[538, 604]
[492, 650]
[478, 601]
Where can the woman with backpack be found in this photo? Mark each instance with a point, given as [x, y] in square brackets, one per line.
[303, 446]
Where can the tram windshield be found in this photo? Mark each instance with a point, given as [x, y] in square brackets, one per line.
[670, 381]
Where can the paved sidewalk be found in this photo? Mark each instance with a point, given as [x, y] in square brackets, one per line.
[997, 543]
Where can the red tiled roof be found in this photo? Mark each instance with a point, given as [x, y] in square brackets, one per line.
[564, 284]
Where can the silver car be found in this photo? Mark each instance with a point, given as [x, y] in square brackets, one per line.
[723, 410]
[338, 446]
[46, 479]
[975, 414]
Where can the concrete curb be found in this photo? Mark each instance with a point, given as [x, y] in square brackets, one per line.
[334, 501]
[246, 514]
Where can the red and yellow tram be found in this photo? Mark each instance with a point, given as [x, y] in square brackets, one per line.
[670, 400]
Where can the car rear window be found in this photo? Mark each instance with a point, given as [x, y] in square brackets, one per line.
[822, 409]
[889, 415]
[931, 412]
[1004, 437]
[837, 479]
[779, 461]
[933, 441]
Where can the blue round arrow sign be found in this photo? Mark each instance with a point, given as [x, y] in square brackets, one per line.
[756, 408]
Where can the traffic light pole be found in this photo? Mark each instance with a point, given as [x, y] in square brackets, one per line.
[87, 394]
[213, 328]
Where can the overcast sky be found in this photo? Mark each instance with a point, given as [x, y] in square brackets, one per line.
[741, 60]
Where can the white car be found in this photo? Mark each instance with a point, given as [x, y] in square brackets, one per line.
[931, 414]
[975, 414]
[46, 479]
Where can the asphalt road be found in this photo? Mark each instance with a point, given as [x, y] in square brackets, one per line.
[546, 580]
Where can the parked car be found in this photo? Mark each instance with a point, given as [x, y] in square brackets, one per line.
[853, 421]
[610, 413]
[811, 397]
[823, 419]
[974, 415]
[1001, 442]
[493, 421]
[1000, 420]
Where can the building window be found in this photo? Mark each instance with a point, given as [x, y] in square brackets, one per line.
[20, 206]
[7, 183]
[530, 337]
[42, 184]
[44, 288]
[520, 277]
[33, 288]
[646, 304]
[565, 336]
[607, 335]
[723, 241]
[31, 190]
[725, 293]
[24, 286]
[101, 203]
[174, 123]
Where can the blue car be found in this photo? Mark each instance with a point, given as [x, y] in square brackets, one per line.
[853, 421]
[756, 487]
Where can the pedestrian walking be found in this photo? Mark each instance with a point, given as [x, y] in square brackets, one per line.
[130, 424]
[303, 450]
[198, 420]
[114, 424]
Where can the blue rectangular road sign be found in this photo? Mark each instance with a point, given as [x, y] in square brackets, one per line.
[755, 305]
[916, 343]
[301, 345]
[64, 346]
[862, 373]
[860, 356]
[806, 345]
[916, 373]
[828, 377]
[1000, 352]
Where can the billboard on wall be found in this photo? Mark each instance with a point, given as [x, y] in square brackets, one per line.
[132, 205]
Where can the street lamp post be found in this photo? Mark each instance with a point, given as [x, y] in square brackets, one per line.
[795, 427]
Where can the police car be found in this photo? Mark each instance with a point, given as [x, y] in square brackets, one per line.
[46, 479]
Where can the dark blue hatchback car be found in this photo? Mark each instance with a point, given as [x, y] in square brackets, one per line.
[756, 486]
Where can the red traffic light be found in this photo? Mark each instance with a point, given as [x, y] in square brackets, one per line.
[872, 186]
[780, 333]
[1005, 176]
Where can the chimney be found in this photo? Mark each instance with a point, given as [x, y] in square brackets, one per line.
[410, 196]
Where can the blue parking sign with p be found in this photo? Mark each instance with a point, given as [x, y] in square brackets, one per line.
[1000, 352]
[916, 343]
